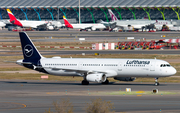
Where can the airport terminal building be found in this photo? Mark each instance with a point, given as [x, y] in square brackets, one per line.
[91, 10]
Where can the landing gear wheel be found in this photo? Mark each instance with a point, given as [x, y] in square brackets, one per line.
[156, 84]
[84, 82]
[106, 82]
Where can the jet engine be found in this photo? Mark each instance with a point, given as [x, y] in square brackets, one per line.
[93, 29]
[125, 78]
[98, 77]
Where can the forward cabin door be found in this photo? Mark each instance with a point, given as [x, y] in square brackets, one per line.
[80, 65]
[119, 66]
[152, 65]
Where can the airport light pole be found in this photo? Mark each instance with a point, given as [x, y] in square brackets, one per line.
[58, 14]
[79, 13]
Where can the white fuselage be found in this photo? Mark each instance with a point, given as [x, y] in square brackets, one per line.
[138, 24]
[88, 26]
[33, 24]
[112, 67]
[2, 24]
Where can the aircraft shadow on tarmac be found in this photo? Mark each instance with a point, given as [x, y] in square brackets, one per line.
[75, 83]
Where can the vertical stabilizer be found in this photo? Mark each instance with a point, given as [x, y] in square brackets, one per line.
[30, 52]
[113, 17]
[67, 24]
[13, 19]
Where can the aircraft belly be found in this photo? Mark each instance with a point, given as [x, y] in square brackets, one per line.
[138, 72]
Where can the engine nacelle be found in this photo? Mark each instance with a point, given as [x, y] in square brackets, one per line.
[125, 78]
[93, 28]
[98, 77]
[50, 27]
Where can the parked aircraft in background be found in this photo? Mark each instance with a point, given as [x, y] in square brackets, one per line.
[25, 23]
[93, 69]
[2, 24]
[54, 25]
[136, 24]
[83, 26]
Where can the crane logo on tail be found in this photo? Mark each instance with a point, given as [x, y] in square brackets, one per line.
[28, 50]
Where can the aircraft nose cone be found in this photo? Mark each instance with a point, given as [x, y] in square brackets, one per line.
[173, 71]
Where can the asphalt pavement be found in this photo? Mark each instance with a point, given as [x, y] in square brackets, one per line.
[26, 96]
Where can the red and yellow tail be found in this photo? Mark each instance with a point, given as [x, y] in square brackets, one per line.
[11, 16]
[13, 19]
[67, 24]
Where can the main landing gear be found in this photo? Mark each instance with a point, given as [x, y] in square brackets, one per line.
[156, 82]
[85, 82]
[106, 82]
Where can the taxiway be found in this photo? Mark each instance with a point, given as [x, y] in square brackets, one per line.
[20, 96]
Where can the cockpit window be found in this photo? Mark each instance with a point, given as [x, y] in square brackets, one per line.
[165, 65]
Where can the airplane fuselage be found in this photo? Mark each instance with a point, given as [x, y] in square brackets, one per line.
[113, 67]
[88, 26]
[33, 24]
[138, 24]
[2, 24]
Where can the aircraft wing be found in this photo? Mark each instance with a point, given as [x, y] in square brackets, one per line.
[78, 70]
[110, 24]
[109, 73]
[33, 26]
[38, 25]
[88, 27]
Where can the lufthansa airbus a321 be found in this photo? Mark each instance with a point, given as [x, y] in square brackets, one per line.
[93, 69]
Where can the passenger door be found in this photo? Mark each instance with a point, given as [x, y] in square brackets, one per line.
[80, 65]
[120, 66]
[152, 65]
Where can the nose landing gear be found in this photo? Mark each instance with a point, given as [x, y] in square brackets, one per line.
[156, 82]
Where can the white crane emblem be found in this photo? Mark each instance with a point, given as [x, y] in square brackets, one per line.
[28, 50]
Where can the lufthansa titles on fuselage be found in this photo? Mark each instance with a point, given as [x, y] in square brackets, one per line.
[137, 62]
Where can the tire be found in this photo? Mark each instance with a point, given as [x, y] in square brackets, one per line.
[106, 82]
[156, 83]
[84, 82]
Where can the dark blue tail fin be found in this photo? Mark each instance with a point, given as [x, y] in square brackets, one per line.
[30, 53]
